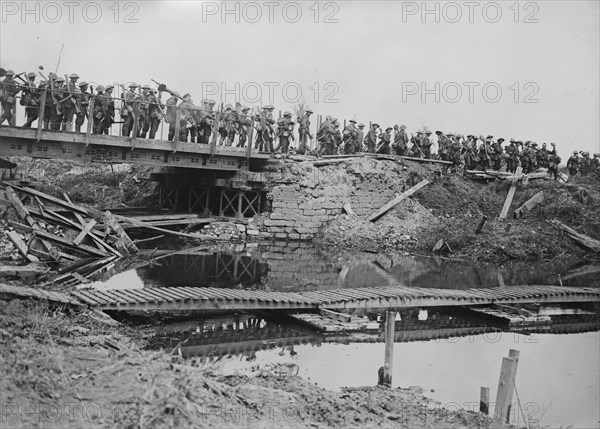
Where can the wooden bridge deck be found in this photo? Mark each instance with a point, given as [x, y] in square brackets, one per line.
[189, 298]
[17, 141]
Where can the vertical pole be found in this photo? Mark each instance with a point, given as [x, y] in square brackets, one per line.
[177, 126]
[213, 147]
[250, 138]
[390, 321]
[38, 133]
[506, 383]
[221, 204]
[206, 208]
[484, 400]
[238, 214]
[90, 120]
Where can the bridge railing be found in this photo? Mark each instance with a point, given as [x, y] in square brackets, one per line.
[187, 120]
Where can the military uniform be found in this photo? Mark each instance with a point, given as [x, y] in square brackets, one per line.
[360, 135]
[57, 94]
[45, 88]
[128, 111]
[371, 138]
[69, 103]
[498, 154]
[304, 131]
[187, 121]
[596, 162]
[585, 164]
[227, 126]
[512, 161]
[244, 124]
[553, 163]
[543, 157]
[573, 164]
[83, 101]
[426, 145]
[171, 115]
[384, 142]
[8, 91]
[100, 110]
[264, 128]
[31, 100]
[155, 115]
[350, 135]
[109, 118]
[285, 132]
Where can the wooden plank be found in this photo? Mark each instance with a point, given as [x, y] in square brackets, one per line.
[54, 200]
[390, 326]
[509, 196]
[165, 231]
[21, 246]
[506, 385]
[84, 232]
[484, 400]
[346, 318]
[60, 240]
[529, 204]
[381, 211]
[111, 220]
[348, 209]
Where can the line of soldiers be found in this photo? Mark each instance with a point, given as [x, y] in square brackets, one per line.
[67, 102]
[584, 164]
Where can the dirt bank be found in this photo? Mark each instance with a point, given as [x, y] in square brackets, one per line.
[70, 370]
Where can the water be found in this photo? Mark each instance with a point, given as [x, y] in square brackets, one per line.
[558, 380]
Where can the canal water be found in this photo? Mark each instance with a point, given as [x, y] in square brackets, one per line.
[558, 379]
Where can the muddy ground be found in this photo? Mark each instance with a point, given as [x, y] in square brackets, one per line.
[66, 369]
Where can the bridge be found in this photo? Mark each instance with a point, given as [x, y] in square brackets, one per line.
[198, 299]
[39, 143]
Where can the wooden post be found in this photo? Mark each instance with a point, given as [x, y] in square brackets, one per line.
[238, 214]
[480, 226]
[390, 321]
[384, 209]
[510, 195]
[213, 146]
[177, 125]
[40, 125]
[249, 139]
[506, 383]
[90, 121]
[484, 400]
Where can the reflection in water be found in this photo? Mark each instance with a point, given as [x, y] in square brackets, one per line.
[302, 266]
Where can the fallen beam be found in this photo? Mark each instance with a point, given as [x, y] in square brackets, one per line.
[582, 239]
[387, 207]
[529, 204]
[509, 196]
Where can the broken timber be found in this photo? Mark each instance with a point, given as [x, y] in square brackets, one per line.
[387, 207]
[582, 239]
[529, 204]
[510, 196]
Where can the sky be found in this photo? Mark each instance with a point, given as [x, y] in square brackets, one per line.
[512, 69]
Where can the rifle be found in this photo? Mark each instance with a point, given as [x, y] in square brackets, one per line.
[412, 137]
[56, 104]
[73, 100]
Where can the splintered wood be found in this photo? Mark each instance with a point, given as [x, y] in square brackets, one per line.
[73, 233]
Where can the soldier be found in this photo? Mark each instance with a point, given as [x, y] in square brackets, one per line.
[128, 111]
[143, 114]
[8, 91]
[100, 110]
[426, 145]
[512, 151]
[30, 99]
[371, 139]
[443, 146]
[227, 126]
[349, 135]
[171, 115]
[416, 145]
[498, 154]
[57, 95]
[573, 164]
[69, 103]
[187, 119]
[553, 163]
[262, 128]
[155, 115]
[596, 162]
[454, 151]
[285, 132]
[553, 151]
[109, 118]
[360, 135]
[83, 102]
[304, 131]
[470, 149]
[543, 157]
[244, 124]
[384, 142]
[400, 140]
[525, 157]
[585, 164]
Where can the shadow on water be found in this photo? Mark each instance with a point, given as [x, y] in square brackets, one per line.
[285, 266]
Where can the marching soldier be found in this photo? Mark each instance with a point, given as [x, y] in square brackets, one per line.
[498, 154]
[226, 126]
[360, 135]
[30, 99]
[109, 118]
[8, 91]
[554, 162]
[129, 109]
[573, 164]
[400, 145]
[443, 145]
[304, 131]
[143, 115]
[171, 115]
[426, 145]
[384, 142]
[155, 115]
[187, 120]
[596, 162]
[57, 95]
[69, 103]
[83, 100]
[543, 156]
[244, 124]
[100, 110]
[350, 134]
[512, 161]
[48, 104]
[371, 138]
[416, 147]
[285, 132]
[585, 164]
